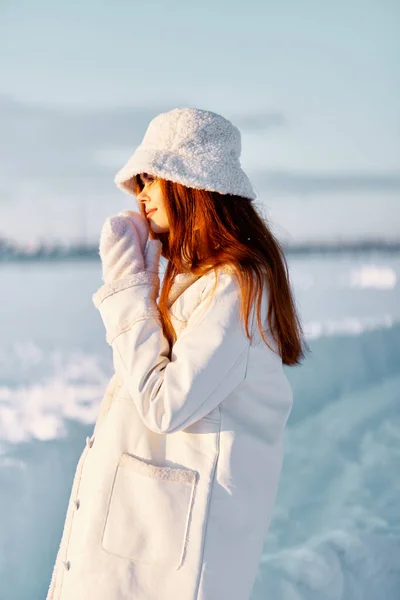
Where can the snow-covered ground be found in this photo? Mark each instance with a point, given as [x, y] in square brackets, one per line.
[336, 528]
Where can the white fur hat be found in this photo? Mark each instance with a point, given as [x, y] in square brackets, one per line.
[197, 148]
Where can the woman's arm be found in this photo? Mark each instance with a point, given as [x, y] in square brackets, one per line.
[208, 360]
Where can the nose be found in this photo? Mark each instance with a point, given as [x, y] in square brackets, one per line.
[140, 197]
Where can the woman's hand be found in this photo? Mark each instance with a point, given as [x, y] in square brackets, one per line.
[125, 247]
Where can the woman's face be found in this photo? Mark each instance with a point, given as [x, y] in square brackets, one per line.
[152, 199]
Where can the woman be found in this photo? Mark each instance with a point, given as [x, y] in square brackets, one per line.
[174, 491]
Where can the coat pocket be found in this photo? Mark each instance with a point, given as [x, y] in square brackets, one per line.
[149, 512]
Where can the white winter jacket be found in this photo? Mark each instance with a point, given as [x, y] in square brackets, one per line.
[173, 493]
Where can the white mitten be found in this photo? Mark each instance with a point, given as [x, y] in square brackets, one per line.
[120, 249]
[130, 263]
[141, 225]
[152, 251]
[123, 248]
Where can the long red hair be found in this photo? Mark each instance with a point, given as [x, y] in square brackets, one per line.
[211, 228]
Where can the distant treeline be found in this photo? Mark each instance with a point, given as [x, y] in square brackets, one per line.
[12, 251]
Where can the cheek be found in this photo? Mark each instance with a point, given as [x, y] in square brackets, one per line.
[158, 196]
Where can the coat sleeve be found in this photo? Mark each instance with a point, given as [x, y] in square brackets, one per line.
[208, 360]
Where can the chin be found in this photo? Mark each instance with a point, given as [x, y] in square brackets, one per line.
[158, 228]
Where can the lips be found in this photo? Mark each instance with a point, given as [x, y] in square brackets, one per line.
[150, 212]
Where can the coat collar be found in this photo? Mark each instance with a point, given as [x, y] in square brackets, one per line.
[183, 280]
[179, 285]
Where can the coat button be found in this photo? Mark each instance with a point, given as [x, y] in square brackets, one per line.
[77, 503]
[89, 441]
[67, 565]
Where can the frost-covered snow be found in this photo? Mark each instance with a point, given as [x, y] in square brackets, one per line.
[336, 528]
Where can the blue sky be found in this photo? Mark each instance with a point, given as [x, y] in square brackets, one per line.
[313, 86]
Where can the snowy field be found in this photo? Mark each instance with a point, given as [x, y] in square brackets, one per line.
[336, 528]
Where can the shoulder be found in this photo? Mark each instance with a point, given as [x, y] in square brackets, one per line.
[214, 286]
[222, 292]
[218, 283]
[219, 299]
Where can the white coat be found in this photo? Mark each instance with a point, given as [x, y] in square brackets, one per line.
[174, 491]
